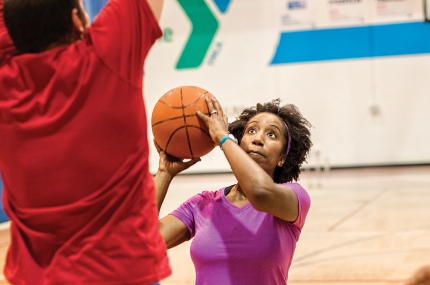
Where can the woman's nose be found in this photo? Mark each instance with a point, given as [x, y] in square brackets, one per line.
[258, 138]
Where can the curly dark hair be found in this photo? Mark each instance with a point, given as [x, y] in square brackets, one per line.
[299, 130]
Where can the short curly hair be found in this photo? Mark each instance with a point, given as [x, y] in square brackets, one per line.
[298, 128]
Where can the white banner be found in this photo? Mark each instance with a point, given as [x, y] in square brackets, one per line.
[393, 10]
[347, 11]
[296, 14]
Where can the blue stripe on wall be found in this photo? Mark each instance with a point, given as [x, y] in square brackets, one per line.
[93, 7]
[353, 42]
[3, 217]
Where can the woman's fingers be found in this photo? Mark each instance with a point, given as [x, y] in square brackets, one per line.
[211, 107]
[216, 120]
[217, 106]
[191, 162]
[214, 108]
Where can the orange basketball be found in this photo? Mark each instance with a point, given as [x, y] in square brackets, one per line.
[175, 125]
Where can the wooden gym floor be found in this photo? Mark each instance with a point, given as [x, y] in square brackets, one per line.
[365, 226]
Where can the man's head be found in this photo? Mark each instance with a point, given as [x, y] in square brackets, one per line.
[37, 25]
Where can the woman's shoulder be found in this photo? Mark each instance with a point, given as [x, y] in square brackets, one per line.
[207, 195]
[294, 185]
[212, 194]
[298, 189]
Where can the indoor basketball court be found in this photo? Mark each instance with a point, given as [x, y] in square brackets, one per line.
[365, 226]
[360, 72]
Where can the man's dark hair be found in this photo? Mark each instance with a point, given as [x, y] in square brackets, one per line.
[299, 130]
[35, 24]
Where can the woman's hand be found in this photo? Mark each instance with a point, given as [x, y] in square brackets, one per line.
[217, 121]
[171, 165]
[168, 168]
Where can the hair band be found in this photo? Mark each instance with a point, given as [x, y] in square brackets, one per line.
[289, 138]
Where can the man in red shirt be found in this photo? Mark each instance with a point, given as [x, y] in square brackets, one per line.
[74, 147]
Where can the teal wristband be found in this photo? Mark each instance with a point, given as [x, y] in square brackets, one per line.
[226, 137]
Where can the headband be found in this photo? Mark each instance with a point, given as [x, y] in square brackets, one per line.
[289, 138]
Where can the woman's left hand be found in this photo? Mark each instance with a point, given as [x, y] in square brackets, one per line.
[172, 165]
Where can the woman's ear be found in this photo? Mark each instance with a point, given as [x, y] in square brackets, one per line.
[282, 160]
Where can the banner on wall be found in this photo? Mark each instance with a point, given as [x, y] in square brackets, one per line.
[346, 11]
[394, 9]
[296, 14]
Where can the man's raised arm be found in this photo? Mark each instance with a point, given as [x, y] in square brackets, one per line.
[156, 6]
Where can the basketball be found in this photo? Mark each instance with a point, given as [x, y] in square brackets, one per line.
[175, 125]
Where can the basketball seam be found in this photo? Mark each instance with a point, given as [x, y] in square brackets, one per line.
[186, 127]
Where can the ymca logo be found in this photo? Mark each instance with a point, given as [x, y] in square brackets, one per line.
[204, 28]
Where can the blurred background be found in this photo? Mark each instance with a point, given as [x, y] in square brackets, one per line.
[359, 70]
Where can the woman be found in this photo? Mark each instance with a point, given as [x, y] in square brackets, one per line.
[245, 233]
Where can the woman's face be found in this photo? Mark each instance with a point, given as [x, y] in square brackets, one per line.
[264, 140]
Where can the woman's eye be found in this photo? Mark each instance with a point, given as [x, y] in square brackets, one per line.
[251, 130]
[272, 135]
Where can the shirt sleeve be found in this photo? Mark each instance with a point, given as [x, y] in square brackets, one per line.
[6, 44]
[185, 213]
[122, 35]
[304, 204]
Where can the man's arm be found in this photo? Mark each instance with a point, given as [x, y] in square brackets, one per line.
[156, 7]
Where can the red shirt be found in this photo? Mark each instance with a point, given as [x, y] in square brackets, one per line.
[74, 156]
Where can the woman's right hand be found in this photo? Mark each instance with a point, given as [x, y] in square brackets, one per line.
[217, 121]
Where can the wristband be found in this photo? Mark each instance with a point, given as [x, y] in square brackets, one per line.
[227, 137]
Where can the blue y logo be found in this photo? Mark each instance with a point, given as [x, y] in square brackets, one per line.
[204, 29]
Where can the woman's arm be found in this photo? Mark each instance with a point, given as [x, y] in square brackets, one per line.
[262, 192]
[168, 168]
[173, 230]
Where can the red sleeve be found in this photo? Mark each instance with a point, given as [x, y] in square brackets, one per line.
[122, 35]
[6, 44]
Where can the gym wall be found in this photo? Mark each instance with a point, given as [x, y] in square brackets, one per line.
[359, 70]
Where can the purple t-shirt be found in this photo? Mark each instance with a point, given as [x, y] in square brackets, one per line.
[234, 246]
